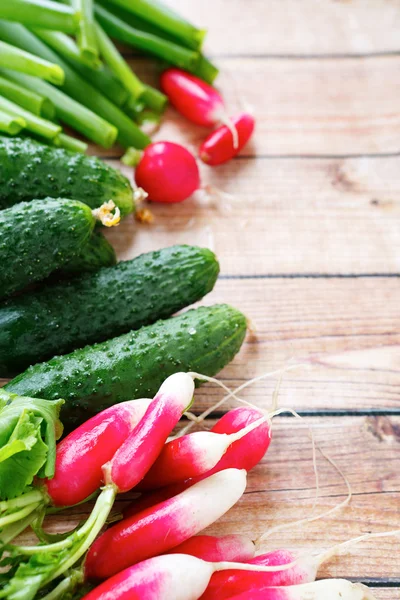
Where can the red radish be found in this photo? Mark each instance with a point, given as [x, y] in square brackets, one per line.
[229, 583]
[325, 589]
[193, 98]
[162, 527]
[219, 148]
[237, 548]
[81, 455]
[242, 454]
[195, 454]
[136, 455]
[167, 172]
[183, 577]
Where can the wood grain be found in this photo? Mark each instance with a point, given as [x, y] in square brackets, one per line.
[282, 27]
[277, 213]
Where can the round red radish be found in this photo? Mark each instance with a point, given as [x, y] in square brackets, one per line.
[167, 172]
[219, 147]
[192, 97]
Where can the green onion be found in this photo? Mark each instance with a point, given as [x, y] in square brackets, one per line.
[36, 124]
[164, 49]
[11, 125]
[75, 86]
[70, 143]
[101, 78]
[66, 46]
[19, 60]
[154, 99]
[87, 38]
[206, 70]
[162, 16]
[71, 112]
[40, 13]
[39, 105]
[118, 65]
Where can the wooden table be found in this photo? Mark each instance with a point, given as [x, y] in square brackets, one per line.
[309, 246]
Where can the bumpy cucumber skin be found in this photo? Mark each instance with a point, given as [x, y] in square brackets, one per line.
[59, 318]
[36, 238]
[97, 253]
[31, 170]
[135, 364]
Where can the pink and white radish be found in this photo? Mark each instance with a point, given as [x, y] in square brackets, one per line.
[237, 548]
[168, 172]
[136, 455]
[183, 577]
[162, 527]
[218, 147]
[198, 453]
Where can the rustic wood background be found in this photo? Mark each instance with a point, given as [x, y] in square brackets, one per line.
[308, 236]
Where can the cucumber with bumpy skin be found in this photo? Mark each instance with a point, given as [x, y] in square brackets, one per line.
[36, 238]
[97, 253]
[56, 319]
[31, 170]
[134, 365]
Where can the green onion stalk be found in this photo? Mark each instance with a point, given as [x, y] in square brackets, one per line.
[86, 36]
[160, 47]
[75, 86]
[41, 13]
[19, 60]
[37, 104]
[70, 143]
[70, 111]
[10, 124]
[101, 78]
[117, 64]
[41, 127]
[165, 18]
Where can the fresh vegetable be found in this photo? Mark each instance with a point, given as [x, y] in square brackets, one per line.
[147, 42]
[195, 454]
[57, 229]
[226, 584]
[19, 60]
[97, 253]
[99, 305]
[219, 146]
[165, 525]
[182, 577]
[77, 87]
[40, 13]
[68, 110]
[70, 143]
[10, 124]
[135, 364]
[207, 547]
[86, 35]
[165, 18]
[167, 172]
[193, 98]
[35, 103]
[30, 170]
[33, 123]
[28, 430]
[327, 589]
[82, 454]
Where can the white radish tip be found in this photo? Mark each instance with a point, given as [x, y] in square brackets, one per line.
[181, 387]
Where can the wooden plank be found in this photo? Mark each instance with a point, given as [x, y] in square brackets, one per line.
[282, 27]
[278, 212]
[344, 332]
[307, 107]
[281, 490]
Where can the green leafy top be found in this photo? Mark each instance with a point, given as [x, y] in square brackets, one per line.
[29, 428]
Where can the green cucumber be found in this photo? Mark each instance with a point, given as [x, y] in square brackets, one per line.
[36, 238]
[97, 253]
[31, 170]
[56, 319]
[135, 364]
